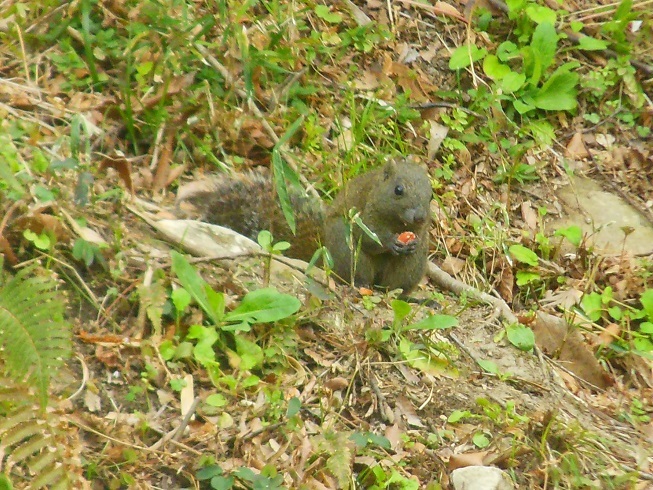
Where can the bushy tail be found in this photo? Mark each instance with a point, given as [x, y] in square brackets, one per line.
[248, 203]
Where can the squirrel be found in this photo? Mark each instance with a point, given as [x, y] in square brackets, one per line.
[390, 200]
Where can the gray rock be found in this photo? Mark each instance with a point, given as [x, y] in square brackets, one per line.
[480, 478]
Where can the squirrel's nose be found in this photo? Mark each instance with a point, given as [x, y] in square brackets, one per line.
[414, 216]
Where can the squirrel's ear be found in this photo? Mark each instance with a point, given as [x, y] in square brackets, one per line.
[390, 168]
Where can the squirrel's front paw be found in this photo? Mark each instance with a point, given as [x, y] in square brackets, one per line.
[399, 247]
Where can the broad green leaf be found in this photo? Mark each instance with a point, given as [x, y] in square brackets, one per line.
[264, 306]
[251, 355]
[643, 344]
[264, 239]
[294, 405]
[401, 310]
[522, 107]
[167, 350]
[572, 233]
[434, 322]
[512, 82]
[507, 51]
[522, 278]
[195, 285]
[540, 14]
[647, 328]
[324, 13]
[180, 299]
[464, 55]
[520, 336]
[647, 303]
[558, 93]
[424, 361]
[615, 313]
[208, 472]
[480, 440]
[216, 400]
[494, 69]
[206, 337]
[523, 255]
[488, 366]
[592, 306]
[588, 43]
[544, 44]
[458, 415]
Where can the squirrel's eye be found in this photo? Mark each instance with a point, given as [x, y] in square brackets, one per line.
[399, 190]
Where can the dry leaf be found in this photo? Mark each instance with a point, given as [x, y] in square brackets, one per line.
[336, 384]
[557, 339]
[122, 166]
[452, 265]
[576, 147]
[529, 215]
[608, 335]
[467, 459]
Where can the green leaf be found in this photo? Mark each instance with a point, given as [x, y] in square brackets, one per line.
[180, 299]
[592, 306]
[643, 344]
[480, 440]
[401, 310]
[251, 355]
[647, 303]
[282, 190]
[167, 350]
[208, 472]
[458, 415]
[526, 277]
[522, 107]
[588, 43]
[647, 328]
[572, 233]
[558, 93]
[324, 13]
[494, 69]
[488, 366]
[544, 44]
[541, 15]
[196, 286]
[264, 239]
[615, 313]
[465, 55]
[359, 222]
[264, 306]
[520, 336]
[434, 322]
[42, 241]
[507, 51]
[206, 337]
[34, 338]
[512, 82]
[216, 400]
[294, 405]
[281, 173]
[523, 255]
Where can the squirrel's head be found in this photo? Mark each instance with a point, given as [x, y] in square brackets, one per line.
[406, 194]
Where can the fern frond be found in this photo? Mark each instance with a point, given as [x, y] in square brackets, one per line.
[34, 336]
[35, 446]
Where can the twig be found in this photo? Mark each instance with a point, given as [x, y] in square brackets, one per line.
[85, 377]
[447, 282]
